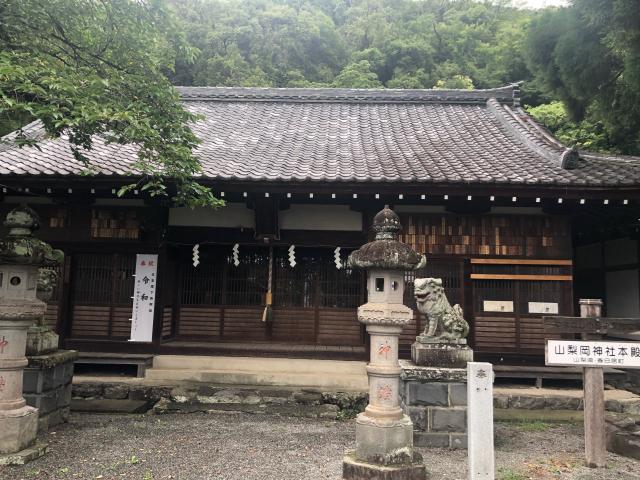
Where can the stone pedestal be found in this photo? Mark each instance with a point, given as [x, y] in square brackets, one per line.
[18, 422]
[451, 355]
[355, 469]
[436, 401]
[47, 386]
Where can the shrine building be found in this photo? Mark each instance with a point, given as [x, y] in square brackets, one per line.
[515, 223]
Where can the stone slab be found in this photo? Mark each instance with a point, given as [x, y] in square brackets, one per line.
[428, 394]
[25, 456]
[109, 406]
[447, 419]
[458, 394]
[444, 355]
[52, 359]
[353, 469]
[413, 372]
[431, 439]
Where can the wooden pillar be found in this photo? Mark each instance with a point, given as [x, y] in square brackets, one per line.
[595, 446]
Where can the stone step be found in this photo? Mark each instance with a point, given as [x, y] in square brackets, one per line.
[109, 406]
[328, 411]
[315, 380]
[198, 397]
[259, 364]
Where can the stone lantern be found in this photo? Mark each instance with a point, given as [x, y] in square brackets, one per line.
[384, 434]
[21, 255]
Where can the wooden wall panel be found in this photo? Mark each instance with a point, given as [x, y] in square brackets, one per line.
[532, 334]
[293, 324]
[339, 327]
[90, 321]
[51, 315]
[121, 322]
[167, 317]
[244, 323]
[497, 235]
[495, 334]
[199, 321]
[409, 333]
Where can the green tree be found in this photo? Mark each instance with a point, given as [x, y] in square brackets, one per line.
[92, 68]
[357, 75]
[586, 134]
[588, 55]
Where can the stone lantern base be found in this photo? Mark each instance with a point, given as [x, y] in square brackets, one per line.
[19, 428]
[354, 469]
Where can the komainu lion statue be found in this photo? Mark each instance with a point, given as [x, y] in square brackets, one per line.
[442, 318]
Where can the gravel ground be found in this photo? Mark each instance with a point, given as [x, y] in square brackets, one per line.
[259, 447]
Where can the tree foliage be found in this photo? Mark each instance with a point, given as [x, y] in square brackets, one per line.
[582, 134]
[89, 68]
[105, 67]
[588, 55]
[406, 43]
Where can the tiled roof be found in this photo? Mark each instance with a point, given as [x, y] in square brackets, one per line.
[341, 135]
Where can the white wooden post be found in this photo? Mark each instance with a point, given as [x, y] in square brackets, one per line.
[480, 420]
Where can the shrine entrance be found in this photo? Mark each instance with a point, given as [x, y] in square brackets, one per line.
[221, 299]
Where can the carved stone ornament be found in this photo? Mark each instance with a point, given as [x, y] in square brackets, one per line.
[445, 323]
[386, 252]
[384, 314]
[20, 247]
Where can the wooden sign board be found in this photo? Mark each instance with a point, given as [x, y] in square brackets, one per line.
[575, 353]
[590, 325]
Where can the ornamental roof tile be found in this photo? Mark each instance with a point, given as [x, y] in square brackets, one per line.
[342, 135]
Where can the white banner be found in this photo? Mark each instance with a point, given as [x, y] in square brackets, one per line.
[576, 353]
[144, 298]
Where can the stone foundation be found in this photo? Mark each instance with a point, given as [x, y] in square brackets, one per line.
[47, 386]
[436, 401]
[354, 469]
[452, 354]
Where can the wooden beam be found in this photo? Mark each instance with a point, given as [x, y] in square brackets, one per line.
[492, 276]
[596, 325]
[518, 261]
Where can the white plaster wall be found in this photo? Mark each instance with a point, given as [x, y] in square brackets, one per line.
[620, 252]
[623, 293]
[233, 215]
[320, 217]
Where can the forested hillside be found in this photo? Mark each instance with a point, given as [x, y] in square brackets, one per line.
[580, 64]
[351, 43]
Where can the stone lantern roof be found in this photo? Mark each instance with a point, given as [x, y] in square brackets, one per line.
[21, 247]
[386, 251]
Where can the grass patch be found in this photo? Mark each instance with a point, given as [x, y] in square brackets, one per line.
[533, 425]
[508, 474]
